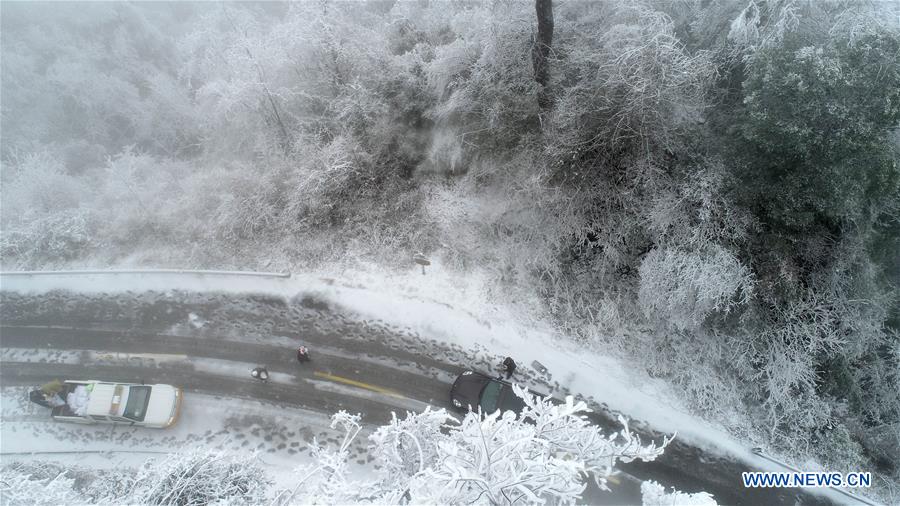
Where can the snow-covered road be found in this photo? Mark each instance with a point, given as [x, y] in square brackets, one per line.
[207, 342]
[224, 408]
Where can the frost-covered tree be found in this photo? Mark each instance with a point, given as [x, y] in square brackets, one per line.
[682, 288]
[654, 494]
[39, 484]
[327, 481]
[200, 476]
[104, 75]
[689, 151]
[815, 123]
[190, 478]
[544, 454]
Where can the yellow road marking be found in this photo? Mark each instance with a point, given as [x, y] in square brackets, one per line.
[355, 383]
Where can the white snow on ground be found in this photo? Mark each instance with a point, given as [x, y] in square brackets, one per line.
[279, 435]
[443, 306]
[196, 321]
[40, 355]
[235, 369]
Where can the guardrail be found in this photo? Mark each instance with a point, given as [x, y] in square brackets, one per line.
[148, 271]
[70, 452]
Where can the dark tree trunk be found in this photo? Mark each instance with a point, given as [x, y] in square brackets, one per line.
[540, 53]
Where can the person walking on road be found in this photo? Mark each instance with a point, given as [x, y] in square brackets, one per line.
[260, 373]
[509, 365]
[303, 354]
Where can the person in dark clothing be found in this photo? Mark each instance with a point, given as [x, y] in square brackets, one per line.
[261, 374]
[38, 397]
[509, 365]
[302, 354]
[52, 392]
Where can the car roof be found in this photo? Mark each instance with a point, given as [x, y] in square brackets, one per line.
[510, 400]
[507, 400]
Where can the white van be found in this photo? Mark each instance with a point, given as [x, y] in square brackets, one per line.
[92, 401]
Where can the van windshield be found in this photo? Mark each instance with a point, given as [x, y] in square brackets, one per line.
[136, 406]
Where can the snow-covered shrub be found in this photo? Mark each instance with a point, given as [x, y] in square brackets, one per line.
[190, 478]
[106, 486]
[801, 377]
[201, 476]
[143, 190]
[406, 447]
[327, 480]
[42, 212]
[839, 451]
[249, 210]
[515, 231]
[329, 181]
[683, 288]
[42, 215]
[545, 454]
[542, 454]
[48, 239]
[654, 494]
[38, 185]
[700, 364]
[39, 484]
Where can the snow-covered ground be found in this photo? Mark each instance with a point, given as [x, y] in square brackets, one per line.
[277, 435]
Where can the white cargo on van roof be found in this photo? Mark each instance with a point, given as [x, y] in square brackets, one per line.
[100, 400]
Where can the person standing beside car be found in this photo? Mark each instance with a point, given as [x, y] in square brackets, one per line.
[509, 365]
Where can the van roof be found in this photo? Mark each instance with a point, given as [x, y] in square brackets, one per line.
[103, 398]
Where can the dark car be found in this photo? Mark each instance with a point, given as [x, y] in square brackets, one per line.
[472, 390]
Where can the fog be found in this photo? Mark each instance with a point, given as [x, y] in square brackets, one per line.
[709, 190]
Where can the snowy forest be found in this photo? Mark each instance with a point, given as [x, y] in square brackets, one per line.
[707, 189]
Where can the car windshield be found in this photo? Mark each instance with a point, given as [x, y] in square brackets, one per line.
[489, 396]
[136, 407]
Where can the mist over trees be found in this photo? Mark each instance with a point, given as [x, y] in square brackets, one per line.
[708, 188]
